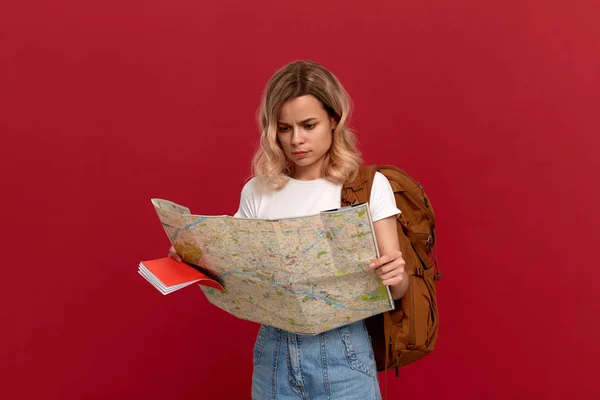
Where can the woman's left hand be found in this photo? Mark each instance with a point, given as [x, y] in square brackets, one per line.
[390, 268]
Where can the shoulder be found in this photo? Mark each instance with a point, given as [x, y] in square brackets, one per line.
[380, 182]
[381, 186]
[383, 203]
[379, 177]
[250, 186]
[249, 198]
[253, 188]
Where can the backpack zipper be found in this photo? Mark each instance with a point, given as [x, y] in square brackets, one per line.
[391, 351]
[427, 209]
[411, 303]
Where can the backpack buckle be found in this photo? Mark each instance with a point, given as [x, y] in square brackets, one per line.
[350, 199]
[419, 271]
[430, 240]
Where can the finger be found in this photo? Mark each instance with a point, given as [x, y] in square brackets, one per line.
[391, 279]
[396, 265]
[173, 254]
[378, 262]
[390, 275]
[392, 282]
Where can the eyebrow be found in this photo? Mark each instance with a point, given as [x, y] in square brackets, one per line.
[302, 122]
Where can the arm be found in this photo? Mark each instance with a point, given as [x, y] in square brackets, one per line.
[390, 265]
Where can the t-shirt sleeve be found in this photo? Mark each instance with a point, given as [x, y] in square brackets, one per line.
[247, 207]
[382, 202]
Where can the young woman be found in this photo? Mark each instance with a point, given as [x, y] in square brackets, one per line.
[306, 154]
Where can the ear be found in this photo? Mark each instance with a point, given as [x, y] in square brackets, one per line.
[334, 123]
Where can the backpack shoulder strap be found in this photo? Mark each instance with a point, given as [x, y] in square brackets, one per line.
[358, 191]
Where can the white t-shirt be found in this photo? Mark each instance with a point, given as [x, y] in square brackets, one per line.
[300, 198]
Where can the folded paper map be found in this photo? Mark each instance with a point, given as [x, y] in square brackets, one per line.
[306, 275]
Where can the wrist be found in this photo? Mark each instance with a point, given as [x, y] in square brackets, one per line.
[399, 290]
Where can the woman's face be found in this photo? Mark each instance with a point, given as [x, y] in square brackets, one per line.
[304, 130]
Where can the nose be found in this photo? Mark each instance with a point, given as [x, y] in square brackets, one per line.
[297, 137]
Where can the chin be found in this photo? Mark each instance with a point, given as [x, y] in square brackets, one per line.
[303, 162]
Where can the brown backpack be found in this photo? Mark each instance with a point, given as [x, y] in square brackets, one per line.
[408, 332]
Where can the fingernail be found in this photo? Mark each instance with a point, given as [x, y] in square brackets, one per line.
[372, 265]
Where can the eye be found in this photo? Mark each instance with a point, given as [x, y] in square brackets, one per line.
[310, 126]
[283, 129]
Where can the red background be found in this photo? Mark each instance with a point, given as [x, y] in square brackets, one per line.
[493, 106]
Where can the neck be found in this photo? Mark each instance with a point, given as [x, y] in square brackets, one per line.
[310, 172]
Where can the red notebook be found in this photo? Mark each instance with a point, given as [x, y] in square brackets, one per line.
[168, 275]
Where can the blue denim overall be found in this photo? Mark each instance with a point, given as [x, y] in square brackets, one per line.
[334, 365]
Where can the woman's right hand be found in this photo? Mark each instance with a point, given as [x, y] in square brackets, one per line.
[173, 254]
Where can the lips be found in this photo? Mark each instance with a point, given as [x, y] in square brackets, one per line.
[300, 154]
